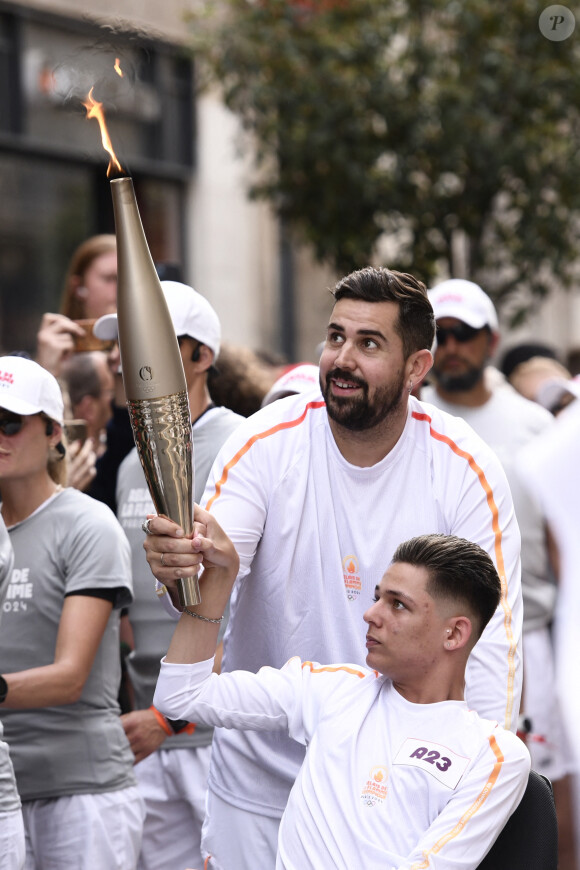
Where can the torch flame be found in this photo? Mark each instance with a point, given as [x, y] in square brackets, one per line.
[95, 110]
[117, 67]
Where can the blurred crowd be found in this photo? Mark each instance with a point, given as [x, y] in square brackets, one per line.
[91, 773]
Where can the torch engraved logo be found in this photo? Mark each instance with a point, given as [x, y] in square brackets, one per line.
[145, 373]
[352, 581]
[375, 789]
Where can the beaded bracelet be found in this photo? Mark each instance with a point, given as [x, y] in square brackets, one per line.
[204, 618]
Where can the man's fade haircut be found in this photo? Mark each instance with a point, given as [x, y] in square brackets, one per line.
[416, 322]
[458, 570]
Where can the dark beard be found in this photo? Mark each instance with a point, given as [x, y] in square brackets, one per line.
[357, 414]
[458, 383]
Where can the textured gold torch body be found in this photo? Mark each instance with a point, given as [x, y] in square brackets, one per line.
[153, 375]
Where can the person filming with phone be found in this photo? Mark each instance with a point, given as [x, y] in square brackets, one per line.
[90, 291]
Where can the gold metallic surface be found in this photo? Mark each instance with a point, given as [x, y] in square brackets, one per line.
[150, 355]
[153, 374]
[162, 432]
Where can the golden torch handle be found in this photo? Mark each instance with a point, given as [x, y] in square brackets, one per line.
[162, 432]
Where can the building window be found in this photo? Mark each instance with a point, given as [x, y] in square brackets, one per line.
[53, 187]
[45, 210]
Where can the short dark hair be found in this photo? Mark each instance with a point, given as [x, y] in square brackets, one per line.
[81, 377]
[521, 353]
[458, 570]
[416, 321]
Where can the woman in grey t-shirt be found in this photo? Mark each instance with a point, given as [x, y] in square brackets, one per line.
[59, 644]
[11, 824]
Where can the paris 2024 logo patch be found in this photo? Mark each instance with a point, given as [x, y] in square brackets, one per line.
[375, 790]
[352, 581]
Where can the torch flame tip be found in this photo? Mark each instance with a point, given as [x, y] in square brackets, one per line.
[95, 110]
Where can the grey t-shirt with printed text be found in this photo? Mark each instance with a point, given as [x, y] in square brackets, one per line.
[152, 627]
[71, 543]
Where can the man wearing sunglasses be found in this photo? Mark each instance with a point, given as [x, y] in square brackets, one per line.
[467, 336]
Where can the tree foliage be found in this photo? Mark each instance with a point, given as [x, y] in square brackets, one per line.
[423, 122]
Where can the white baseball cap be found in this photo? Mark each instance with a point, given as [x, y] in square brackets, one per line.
[465, 301]
[552, 391]
[190, 312]
[299, 379]
[27, 388]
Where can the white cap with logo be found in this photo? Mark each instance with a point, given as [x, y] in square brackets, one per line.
[27, 388]
[465, 301]
[190, 312]
[298, 379]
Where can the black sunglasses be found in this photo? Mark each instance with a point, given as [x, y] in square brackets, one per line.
[10, 424]
[461, 333]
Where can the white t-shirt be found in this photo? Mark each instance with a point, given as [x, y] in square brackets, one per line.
[315, 535]
[385, 782]
[552, 463]
[507, 422]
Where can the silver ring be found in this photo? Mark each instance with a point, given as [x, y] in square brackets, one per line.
[145, 526]
[162, 562]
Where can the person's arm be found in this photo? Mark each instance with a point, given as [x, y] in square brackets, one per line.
[290, 699]
[465, 830]
[81, 628]
[147, 730]
[553, 552]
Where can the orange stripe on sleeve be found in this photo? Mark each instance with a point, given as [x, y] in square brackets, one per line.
[258, 437]
[498, 556]
[475, 806]
[333, 670]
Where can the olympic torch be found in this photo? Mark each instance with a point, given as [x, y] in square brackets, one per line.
[153, 375]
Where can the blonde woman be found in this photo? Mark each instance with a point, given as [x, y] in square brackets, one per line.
[59, 643]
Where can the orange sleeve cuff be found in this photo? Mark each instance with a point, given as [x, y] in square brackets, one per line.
[162, 721]
[170, 726]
